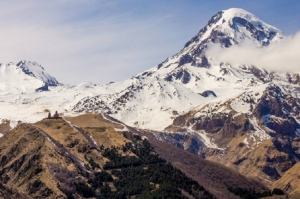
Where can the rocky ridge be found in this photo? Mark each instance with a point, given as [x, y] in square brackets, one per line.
[53, 159]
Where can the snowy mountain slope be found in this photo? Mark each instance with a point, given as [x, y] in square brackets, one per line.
[152, 98]
[25, 77]
[13, 80]
[32, 106]
[146, 103]
[182, 81]
[228, 27]
[255, 132]
[35, 70]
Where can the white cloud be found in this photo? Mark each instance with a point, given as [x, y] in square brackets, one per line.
[281, 56]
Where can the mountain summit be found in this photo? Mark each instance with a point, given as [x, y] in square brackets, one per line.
[24, 77]
[235, 26]
[228, 27]
[35, 70]
[190, 78]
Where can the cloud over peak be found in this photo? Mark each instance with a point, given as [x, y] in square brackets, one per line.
[282, 56]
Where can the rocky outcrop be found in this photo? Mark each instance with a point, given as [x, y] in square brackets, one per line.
[262, 143]
[257, 33]
[277, 110]
[208, 93]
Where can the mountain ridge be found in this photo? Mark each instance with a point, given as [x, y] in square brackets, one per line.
[181, 79]
[52, 159]
[240, 115]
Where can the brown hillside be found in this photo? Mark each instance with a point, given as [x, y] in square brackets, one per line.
[213, 176]
[24, 157]
[4, 126]
[9, 193]
[43, 159]
[102, 130]
[93, 120]
[290, 181]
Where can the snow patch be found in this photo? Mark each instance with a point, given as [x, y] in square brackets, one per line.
[259, 132]
[266, 118]
[297, 132]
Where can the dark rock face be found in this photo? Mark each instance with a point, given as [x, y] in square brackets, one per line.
[182, 75]
[159, 66]
[204, 62]
[148, 74]
[221, 38]
[208, 93]
[185, 60]
[271, 171]
[222, 123]
[194, 39]
[293, 78]
[43, 88]
[281, 109]
[256, 33]
[213, 20]
[260, 74]
[180, 120]
[213, 125]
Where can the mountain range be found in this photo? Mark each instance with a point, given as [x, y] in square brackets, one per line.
[242, 116]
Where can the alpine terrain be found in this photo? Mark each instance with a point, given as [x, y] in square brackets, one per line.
[241, 116]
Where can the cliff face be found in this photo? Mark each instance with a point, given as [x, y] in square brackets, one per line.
[290, 181]
[256, 133]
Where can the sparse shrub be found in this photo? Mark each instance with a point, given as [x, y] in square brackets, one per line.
[84, 190]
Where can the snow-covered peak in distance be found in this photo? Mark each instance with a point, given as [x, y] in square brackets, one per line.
[228, 27]
[235, 26]
[35, 70]
[24, 77]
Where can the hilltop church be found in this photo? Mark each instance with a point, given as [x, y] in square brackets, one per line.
[55, 116]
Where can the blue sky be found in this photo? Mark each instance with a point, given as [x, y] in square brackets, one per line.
[101, 41]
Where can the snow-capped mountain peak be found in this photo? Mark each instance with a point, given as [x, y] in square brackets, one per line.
[190, 78]
[33, 69]
[24, 77]
[233, 26]
[184, 81]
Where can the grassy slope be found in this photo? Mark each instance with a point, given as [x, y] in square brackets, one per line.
[29, 154]
[290, 181]
[213, 176]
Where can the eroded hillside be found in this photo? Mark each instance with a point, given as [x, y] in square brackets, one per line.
[84, 157]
